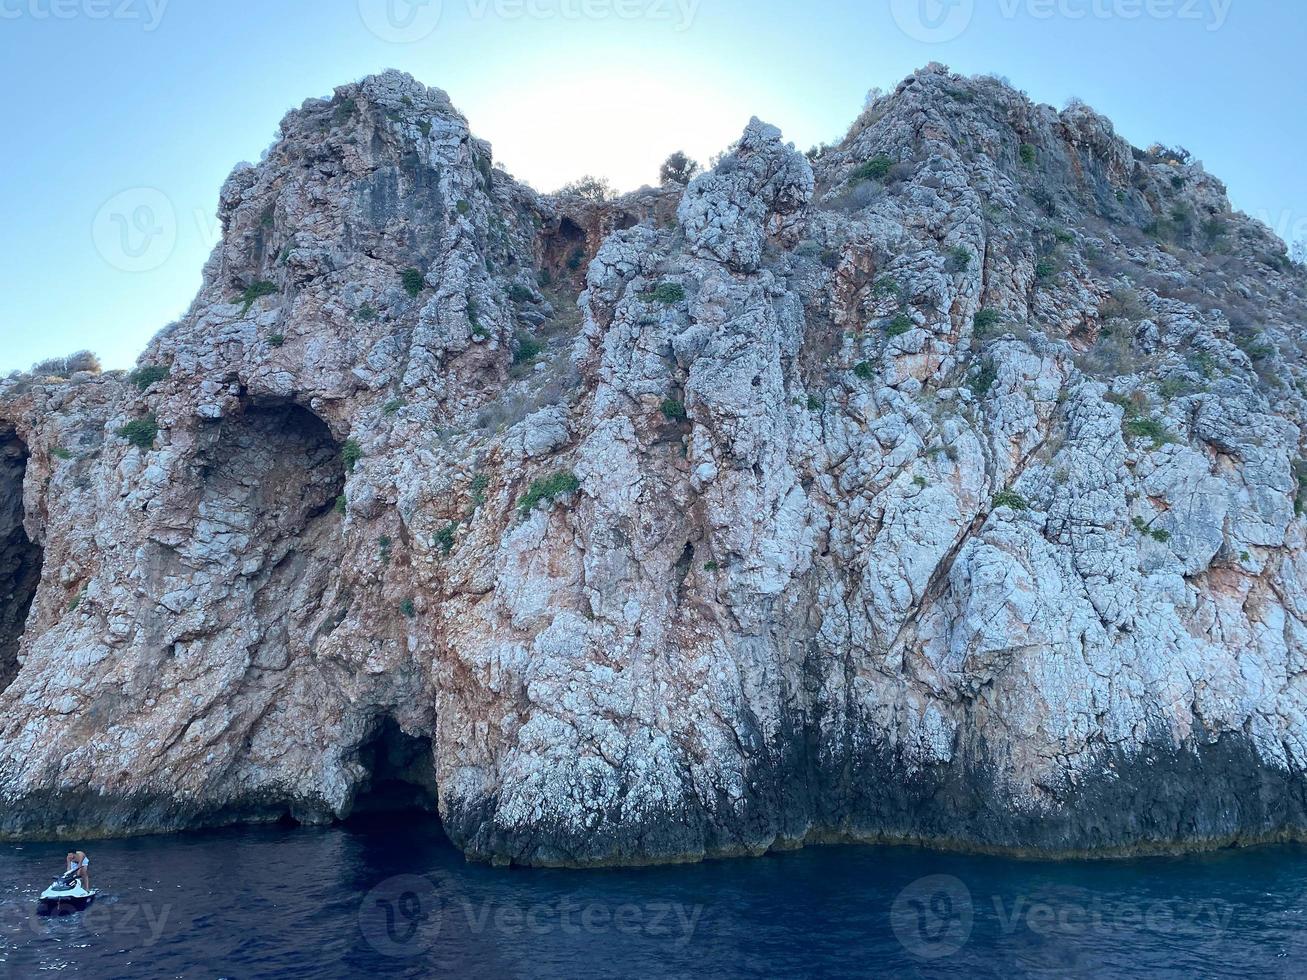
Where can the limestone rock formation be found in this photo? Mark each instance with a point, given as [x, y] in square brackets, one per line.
[938, 485]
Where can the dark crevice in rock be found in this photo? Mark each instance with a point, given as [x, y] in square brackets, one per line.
[682, 571]
[20, 558]
[400, 772]
[565, 251]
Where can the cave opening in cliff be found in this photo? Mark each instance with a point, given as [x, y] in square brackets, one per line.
[564, 251]
[279, 460]
[400, 772]
[20, 558]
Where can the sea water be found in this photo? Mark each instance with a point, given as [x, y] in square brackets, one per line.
[392, 897]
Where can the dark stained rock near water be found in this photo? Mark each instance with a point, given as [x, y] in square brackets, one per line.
[940, 485]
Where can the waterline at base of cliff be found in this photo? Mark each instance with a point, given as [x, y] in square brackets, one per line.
[1146, 803]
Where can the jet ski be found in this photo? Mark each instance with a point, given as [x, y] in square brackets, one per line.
[65, 895]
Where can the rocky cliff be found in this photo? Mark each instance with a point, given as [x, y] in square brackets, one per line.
[937, 485]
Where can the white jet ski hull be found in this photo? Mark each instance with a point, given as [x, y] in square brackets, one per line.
[59, 899]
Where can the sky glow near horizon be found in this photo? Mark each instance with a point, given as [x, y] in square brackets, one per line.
[110, 100]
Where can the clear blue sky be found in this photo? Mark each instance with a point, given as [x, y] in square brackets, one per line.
[168, 94]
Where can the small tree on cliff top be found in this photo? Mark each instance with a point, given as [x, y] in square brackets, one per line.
[591, 188]
[678, 169]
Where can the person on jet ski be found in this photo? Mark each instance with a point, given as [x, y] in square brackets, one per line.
[79, 862]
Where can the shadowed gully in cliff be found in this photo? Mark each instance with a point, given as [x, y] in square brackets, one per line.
[20, 558]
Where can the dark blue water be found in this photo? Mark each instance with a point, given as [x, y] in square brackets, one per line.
[394, 898]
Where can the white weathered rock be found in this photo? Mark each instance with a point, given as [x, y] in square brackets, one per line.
[943, 504]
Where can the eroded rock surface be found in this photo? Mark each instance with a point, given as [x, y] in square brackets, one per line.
[938, 485]
[20, 559]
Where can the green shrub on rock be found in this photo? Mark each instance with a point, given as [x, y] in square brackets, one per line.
[673, 410]
[669, 292]
[899, 325]
[1010, 499]
[1147, 427]
[877, 168]
[528, 349]
[545, 490]
[255, 291]
[984, 379]
[444, 538]
[141, 432]
[350, 454]
[986, 320]
[414, 282]
[150, 374]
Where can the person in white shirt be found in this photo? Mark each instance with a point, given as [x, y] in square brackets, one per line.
[79, 862]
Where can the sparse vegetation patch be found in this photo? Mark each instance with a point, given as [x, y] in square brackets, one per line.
[669, 292]
[414, 282]
[545, 490]
[254, 292]
[150, 374]
[877, 168]
[350, 454]
[141, 432]
[1011, 500]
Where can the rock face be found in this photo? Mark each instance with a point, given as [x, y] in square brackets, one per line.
[20, 560]
[940, 485]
